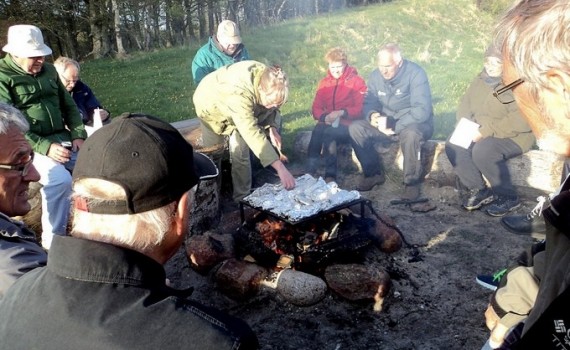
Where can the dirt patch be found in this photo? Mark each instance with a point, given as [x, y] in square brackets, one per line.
[434, 303]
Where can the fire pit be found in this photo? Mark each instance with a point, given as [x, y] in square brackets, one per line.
[306, 228]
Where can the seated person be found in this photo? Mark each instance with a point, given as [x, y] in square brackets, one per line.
[502, 135]
[105, 286]
[398, 102]
[19, 250]
[240, 102]
[68, 71]
[221, 49]
[337, 103]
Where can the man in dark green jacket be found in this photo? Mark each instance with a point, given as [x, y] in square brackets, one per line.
[222, 49]
[56, 130]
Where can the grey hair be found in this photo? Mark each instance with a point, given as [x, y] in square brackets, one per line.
[533, 36]
[63, 62]
[11, 116]
[142, 232]
[393, 49]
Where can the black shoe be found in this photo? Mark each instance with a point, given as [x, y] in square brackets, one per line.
[503, 205]
[530, 224]
[478, 198]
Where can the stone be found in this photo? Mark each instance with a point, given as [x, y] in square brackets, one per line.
[300, 288]
[357, 282]
[240, 280]
[207, 250]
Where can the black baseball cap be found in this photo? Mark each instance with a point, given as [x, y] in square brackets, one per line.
[146, 156]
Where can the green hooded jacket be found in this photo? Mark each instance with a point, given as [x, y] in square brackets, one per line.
[42, 98]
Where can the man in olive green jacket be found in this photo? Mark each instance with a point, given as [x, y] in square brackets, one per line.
[240, 101]
[56, 130]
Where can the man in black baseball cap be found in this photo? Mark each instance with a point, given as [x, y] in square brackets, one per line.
[104, 287]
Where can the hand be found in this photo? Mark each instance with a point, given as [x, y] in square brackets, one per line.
[287, 180]
[59, 153]
[375, 119]
[77, 144]
[104, 114]
[477, 137]
[498, 330]
[332, 116]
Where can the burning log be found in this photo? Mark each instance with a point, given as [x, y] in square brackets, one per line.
[239, 280]
[358, 282]
[385, 236]
[207, 250]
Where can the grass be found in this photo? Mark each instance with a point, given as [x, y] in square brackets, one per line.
[447, 38]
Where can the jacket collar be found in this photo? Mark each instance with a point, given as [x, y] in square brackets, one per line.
[10, 228]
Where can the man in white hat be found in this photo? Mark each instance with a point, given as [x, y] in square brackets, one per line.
[56, 130]
[222, 49]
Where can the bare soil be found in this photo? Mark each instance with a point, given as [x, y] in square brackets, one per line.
[434, 302]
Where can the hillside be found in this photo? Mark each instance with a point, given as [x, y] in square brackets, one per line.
[448, 38]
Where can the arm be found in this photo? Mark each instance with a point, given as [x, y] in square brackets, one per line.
[71, 114]
[371, 101]
[357, 94]
[201, 66]
[320, 108]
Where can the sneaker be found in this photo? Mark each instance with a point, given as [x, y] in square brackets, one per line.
[411, 193]
[503, 205]
[366, 183]
[531, 223]
[478, 198]
[491, 281]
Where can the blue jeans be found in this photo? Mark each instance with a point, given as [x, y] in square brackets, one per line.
[56, 195]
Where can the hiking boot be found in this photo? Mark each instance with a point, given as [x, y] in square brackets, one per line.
[478, 198]
[366, 183]
[411, 192]
[491, 281]
[529, 224]
[503, 205]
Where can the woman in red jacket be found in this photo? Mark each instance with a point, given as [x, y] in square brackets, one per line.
[337, 103]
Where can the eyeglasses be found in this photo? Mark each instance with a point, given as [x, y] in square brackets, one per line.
[23, 167]
[501, 93]
[67, 81]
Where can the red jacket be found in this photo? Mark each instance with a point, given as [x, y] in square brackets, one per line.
[346, 93]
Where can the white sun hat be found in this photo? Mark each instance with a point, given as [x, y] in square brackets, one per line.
[25, 40]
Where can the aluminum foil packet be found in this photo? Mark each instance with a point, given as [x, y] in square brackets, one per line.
[309, 197]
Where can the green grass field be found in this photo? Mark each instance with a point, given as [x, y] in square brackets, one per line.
[447, 38]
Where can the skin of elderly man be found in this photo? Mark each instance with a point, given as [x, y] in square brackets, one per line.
[531, 307]
[19, 250]
[104, 287]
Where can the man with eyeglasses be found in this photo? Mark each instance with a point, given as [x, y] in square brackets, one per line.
[88, 105]
[56, 130]
[19, 250]
[531, 307]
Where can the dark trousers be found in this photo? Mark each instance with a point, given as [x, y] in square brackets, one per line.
[364, 136]
[325, 139]
[486, 157]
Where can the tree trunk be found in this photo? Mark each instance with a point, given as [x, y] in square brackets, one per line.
[121, 52]
[96, 27]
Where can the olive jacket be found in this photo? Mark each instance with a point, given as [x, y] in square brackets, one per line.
[227, 100]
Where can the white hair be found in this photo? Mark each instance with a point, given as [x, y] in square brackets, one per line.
[11, 116]
[142, 232]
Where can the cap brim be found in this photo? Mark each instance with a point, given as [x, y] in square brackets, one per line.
[19, 52]
[204, 167]
[235, 40]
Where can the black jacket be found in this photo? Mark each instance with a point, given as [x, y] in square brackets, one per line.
[95, 295]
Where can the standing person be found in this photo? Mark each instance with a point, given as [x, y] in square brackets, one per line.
[502, 134]
[224, 48]
[56, 130]
[19, 250]
[398, 102]
[533, 39]
[105, 286]
[240, 102]
[68, 71]
[338, 102]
